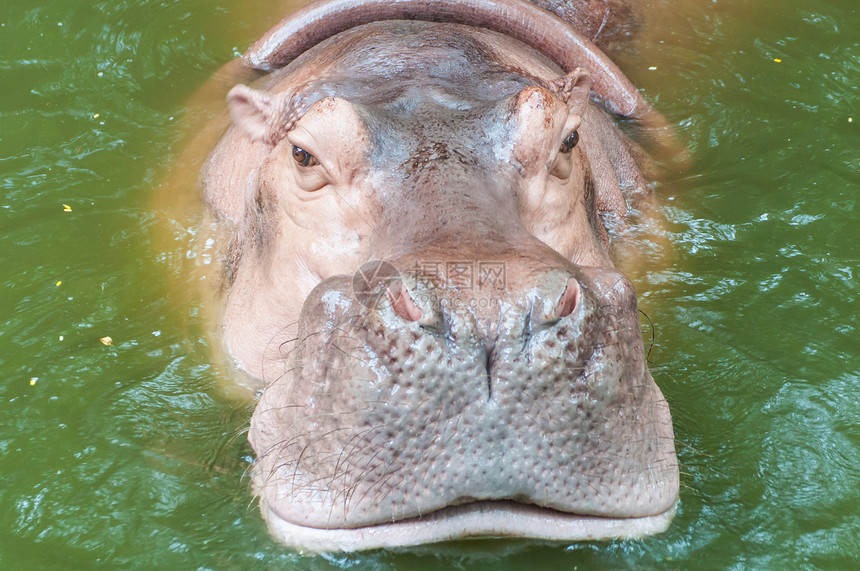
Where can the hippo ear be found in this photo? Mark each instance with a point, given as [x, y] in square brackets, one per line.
[540, 117]
[574, 89]
[546, 115]
[260, 115]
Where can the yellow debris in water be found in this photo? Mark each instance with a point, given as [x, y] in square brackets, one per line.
[777, 60]
[33, 380]
[67, 208]
[59, 282]
[106, 341]
[96, 116]
[61, 337]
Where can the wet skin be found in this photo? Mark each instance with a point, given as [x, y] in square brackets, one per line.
[489, 377]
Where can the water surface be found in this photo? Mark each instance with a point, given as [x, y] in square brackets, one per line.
[130, 454]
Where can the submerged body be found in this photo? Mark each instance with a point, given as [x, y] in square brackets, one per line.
[419, 271]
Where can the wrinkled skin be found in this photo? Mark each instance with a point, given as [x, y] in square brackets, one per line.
[490, 379]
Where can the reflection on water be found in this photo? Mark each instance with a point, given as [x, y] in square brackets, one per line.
[130, 455]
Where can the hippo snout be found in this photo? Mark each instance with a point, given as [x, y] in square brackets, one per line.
[536, 395]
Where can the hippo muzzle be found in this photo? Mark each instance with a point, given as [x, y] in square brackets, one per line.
[419, 272]
[476, 415]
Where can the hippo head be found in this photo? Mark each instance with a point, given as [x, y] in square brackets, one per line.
[420, 273]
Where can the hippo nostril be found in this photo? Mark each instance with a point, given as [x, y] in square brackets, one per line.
[403, 304]
[569, 299]
[432, 323]
[547, 312]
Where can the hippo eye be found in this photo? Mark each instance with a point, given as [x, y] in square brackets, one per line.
[303, 157]
[570, 142]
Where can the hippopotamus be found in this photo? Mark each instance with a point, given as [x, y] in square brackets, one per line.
[420, 202]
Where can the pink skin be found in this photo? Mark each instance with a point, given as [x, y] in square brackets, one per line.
[447, 409]
[267, 295]
[562, 30]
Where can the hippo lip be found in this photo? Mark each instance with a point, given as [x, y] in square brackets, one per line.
[478, 519]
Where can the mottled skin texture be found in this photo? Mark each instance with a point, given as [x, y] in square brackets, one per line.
[515, 388]
[605, 22]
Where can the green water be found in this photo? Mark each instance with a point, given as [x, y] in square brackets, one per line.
[131, 455]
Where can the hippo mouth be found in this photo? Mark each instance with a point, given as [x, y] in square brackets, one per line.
[574, 445]
[472, 520]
